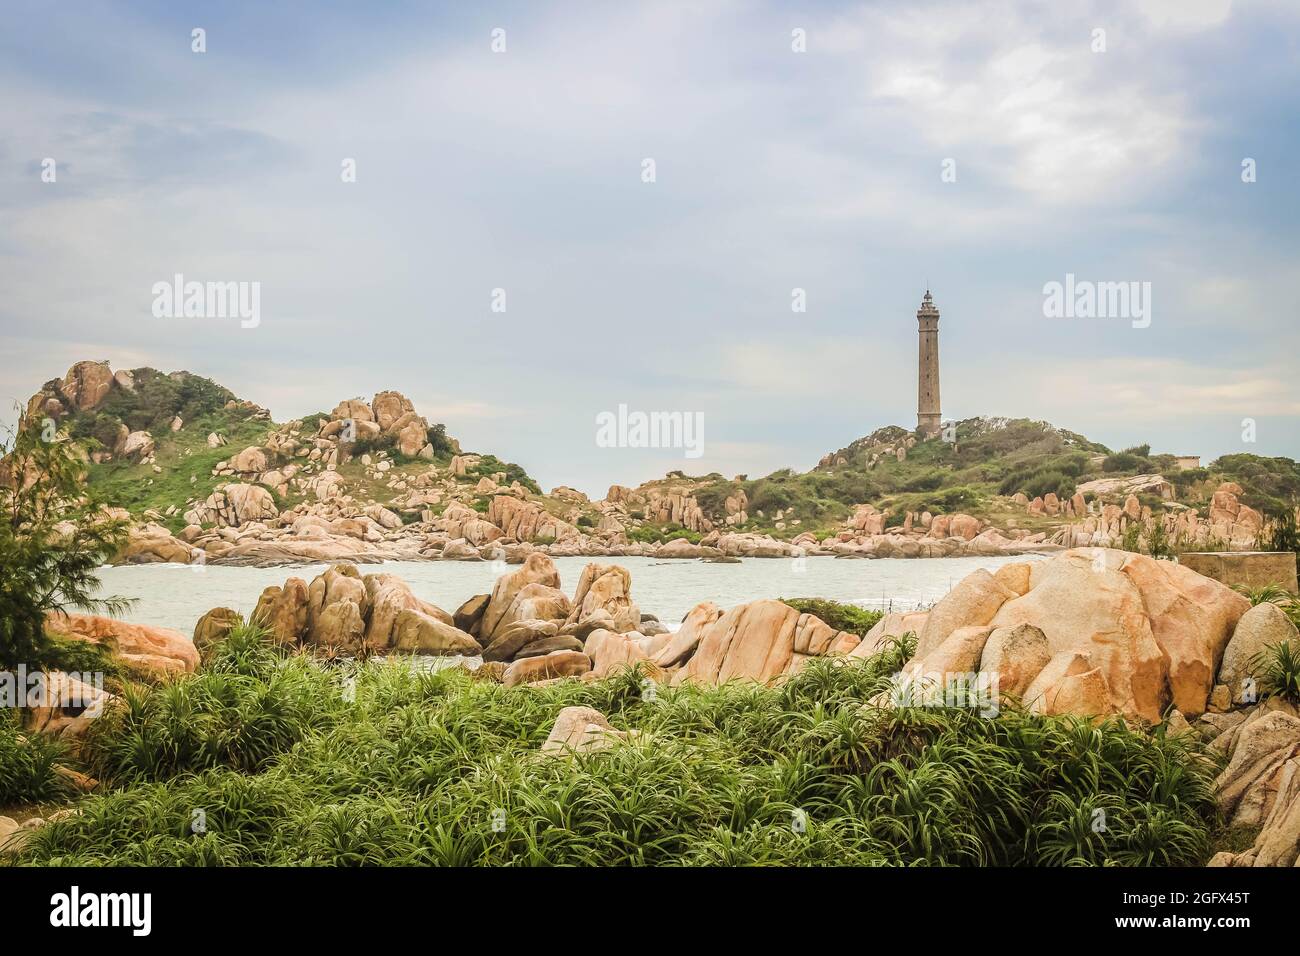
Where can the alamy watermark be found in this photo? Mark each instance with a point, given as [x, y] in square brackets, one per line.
[208, 300]
[1085, 299]
[630, 429]
[975, 690]
[71, 689]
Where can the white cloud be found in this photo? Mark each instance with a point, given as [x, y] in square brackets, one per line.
[1185, 14]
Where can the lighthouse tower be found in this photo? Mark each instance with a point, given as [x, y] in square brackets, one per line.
[927, 373]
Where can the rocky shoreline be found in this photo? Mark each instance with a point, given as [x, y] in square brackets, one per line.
[1093, 633]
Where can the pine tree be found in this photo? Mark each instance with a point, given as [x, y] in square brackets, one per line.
[53, 539]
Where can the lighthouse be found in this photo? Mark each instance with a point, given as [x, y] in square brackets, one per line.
[927, 372]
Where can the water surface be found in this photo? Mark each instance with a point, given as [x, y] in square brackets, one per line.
[176, 595]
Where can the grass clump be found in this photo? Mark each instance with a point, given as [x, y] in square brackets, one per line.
[842, 617]
[1279, 669]
[292, 764]
[247, 705]
[28, 764]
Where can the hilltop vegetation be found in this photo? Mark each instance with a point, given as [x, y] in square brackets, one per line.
[145, 436]
[989, 461]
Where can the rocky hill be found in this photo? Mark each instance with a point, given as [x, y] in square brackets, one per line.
[211, 477]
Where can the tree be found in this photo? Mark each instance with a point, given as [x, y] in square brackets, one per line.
[53, 539]
[1282, 536]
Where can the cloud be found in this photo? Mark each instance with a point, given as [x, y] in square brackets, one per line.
[776, 170]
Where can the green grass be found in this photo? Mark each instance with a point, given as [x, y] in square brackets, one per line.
[27, 763]
[842, 617]
[661, 534]
[989, 461]
[181, 455]
[1279, 667]
[281, 764]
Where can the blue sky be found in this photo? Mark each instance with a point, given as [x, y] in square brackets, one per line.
[775, 170]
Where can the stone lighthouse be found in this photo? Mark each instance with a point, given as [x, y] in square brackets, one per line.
[927, 372]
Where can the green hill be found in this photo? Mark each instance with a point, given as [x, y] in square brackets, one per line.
[976, 469]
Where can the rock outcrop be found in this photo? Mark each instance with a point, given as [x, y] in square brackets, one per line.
[157, 651]
[1126, 634]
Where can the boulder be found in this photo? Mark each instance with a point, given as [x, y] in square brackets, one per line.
[13, 836]
[389, 596]
[157, 651]
[1262, 747]
[959, 654]
[250, 461]
[336, 583]
[411, 438]
[418, 633]
[468, 616]
[339, 627]
[1192, 618]
[606, 586]
[1262, 626]
[681, 548]
[1088, 609]
[138, 446]
[352, 408]
[154, 544]
[529, 670]
[973, 602]
[581, 730]
[1015, 656]
[761, 641]
[514, 637]
[87, 384]
[547, 645]
[1014, 577]
[283, 611]
[686, 639]
[1153, 628]
[610, 653]
[212, 628]
[67, 706]
[892, 626]
[390, 406]
[536, 569]
[250, 503]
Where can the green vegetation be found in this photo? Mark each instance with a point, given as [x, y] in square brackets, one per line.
[658, 534]
[27, 764]
[47, 562]
[1269, 485]
[990, 457]
[990, 460]
[842, 617]
[489, 465]
[297, 763]
[1273, 594]
[59, 653]
[1279, 667]
[1284, 535]
[182, 456]
[158, 398]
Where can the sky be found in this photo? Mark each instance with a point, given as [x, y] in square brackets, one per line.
[859, 152]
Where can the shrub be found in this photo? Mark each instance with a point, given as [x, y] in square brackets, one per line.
[1283, 535]
[372, 446]
[489, 465]
[769, 496]
[842, 617]
[27, 764]
[1279, 668]
[1123, 461]
[49, 555]
[442, 445]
